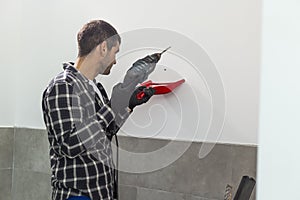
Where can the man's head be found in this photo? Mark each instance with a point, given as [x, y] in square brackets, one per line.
[100, 36]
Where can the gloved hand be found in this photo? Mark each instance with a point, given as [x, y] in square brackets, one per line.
[124, 98]
[119, 98]
[137, 99]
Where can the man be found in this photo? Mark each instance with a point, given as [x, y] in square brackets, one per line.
[80, 120]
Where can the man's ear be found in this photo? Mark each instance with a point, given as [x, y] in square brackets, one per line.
[103, 48]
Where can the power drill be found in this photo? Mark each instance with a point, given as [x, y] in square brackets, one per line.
[141, 69]
[136, 74]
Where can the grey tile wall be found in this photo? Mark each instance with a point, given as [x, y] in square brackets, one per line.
[31, 185]
[244, 162]
[31, 150]
[127, 192]
[24, 164]
[190, 175]
[31, 180]
[6, 147]
[150, 194]
[6, 162]
[137, 193]
[5, 184]
[202, 178]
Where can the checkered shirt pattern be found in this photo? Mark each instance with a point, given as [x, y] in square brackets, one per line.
[80, 149]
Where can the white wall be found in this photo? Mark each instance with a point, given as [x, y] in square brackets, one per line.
[10, 13]
[279, 139]
[228, 30]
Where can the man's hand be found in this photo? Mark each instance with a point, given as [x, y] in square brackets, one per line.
[123, 100]
[119, 98]
[141, 95]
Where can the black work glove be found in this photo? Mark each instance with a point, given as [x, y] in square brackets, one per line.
[141, 95]
[119, 98]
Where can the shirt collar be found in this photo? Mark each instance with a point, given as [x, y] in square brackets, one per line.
[70, 67]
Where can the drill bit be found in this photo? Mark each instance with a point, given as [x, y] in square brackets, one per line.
[159, 54]
[165, 50]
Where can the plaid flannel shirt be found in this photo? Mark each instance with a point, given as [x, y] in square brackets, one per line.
[80, 149]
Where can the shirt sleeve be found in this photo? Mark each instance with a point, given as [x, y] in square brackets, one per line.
[74, 130]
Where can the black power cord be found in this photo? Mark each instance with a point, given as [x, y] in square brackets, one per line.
[116, 170]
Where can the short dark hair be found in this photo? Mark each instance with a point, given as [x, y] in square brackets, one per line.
[94, 33]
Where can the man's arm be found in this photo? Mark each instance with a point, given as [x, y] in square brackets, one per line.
[73, 132]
